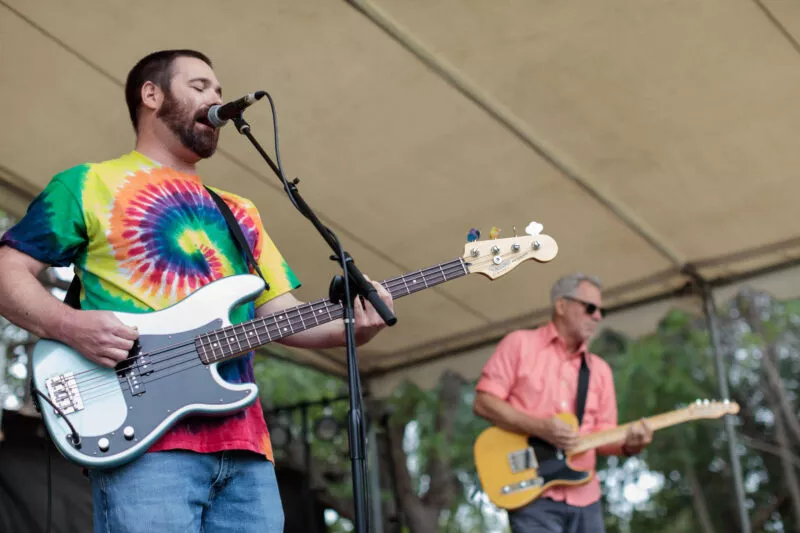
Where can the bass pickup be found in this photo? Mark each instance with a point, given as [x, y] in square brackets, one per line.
[135, 383]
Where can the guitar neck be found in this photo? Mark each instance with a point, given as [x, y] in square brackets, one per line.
[232, 341]
[617, 434]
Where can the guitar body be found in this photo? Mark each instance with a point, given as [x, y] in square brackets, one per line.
[515, 469]
[119, 413]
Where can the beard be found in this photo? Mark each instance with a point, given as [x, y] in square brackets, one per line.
[180, 120]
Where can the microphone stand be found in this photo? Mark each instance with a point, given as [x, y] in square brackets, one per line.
[343, 289]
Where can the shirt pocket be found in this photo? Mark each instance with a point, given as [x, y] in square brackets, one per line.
[530, 388]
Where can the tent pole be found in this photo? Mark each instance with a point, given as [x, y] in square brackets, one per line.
[710, 309]
[374, 477]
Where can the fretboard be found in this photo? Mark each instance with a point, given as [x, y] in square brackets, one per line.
[232, 341]
[617, 434]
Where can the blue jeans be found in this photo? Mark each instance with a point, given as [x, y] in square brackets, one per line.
[185, 492]
[547, 516]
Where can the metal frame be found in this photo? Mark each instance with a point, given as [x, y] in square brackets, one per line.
[710, 311]
[570, 170]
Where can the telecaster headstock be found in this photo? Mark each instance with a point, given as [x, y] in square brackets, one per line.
[712, 408]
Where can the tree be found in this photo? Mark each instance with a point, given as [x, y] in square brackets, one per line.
[429, 434]
[673, 366]
[426, 440]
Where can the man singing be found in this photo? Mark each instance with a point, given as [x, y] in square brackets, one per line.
[144, 233]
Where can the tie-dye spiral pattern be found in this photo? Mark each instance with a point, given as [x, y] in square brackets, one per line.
[142, 237]
[164, 237]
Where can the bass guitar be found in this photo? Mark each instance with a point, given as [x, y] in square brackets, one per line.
[102, 417]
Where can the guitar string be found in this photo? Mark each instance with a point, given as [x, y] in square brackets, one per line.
[336, 309]
[268, 324]
[110, 386]
[306, 307]
[303, 309]
[97, 397]
[278, 325]
[249, 325]
[191, 344]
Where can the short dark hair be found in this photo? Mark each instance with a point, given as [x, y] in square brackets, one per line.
[157, 68]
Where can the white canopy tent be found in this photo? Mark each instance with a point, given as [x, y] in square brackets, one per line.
[655, 140]
[645, 136]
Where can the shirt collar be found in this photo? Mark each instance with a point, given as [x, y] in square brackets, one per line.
[553, 336]
[144, 161]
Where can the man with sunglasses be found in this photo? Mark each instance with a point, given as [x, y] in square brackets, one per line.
[532, 376]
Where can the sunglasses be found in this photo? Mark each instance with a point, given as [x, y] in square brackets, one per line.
[590, 307]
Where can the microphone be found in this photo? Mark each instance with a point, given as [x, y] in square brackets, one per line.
[219, 115]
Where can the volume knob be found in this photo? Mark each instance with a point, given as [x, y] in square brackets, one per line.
[128, 432]
[103, 444]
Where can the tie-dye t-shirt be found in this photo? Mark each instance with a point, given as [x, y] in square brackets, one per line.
[142, 237]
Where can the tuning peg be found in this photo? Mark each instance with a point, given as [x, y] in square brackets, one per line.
[534, 228]
[494, 233]
[514, 229]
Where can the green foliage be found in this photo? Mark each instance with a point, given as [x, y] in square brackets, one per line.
[671, 368]
[412, 404]
[660, 372]
[282, 383]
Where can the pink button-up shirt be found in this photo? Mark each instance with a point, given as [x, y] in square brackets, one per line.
[533, 371]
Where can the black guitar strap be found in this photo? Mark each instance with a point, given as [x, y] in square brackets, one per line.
[73, 297]
[583, 389]
[236, 231]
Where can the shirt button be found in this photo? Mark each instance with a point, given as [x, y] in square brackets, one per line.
[564, 382]
[563, 405]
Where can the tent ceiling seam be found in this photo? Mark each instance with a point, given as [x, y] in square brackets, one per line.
[517, 127]
[778, 25]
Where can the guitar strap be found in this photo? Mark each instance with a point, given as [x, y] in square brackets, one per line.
[236, 231]
[73, 296]
[583, 389]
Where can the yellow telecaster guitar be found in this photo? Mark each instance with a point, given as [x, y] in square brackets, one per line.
[515, 470]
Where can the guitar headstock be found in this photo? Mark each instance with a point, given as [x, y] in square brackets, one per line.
[496, 257]
[712, 408]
